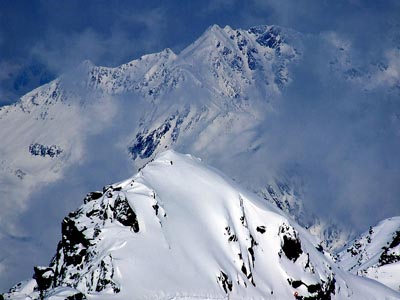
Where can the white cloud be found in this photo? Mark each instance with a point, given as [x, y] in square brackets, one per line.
[389, 73]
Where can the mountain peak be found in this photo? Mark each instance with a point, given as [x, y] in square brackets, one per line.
[87, 63]
[179, 228]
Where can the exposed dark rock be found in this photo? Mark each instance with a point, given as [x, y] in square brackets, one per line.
[242, 42]
[231, 236]
[296, 283]
[261, 229]
[225, 282]
[291, 247]
[396, 240]
[178, 123]
[94, 212]
[106, 188]
[389, 256]
[226, 51]
[318, 291]
[156, 207]
[37, 149]
[78, 296]
[313, 288]
[274, 197]
[308, 266]
[75, 250]
[44, 277]
[106, 273]
[146, 142]
[371, 230]
[76, 213]
[96, 231]
[253, 241]
[244, 270]
[320, 248]
[290, 242]
[251, 61]
[125, 214]
[251, 249]
[355, 249]
[251, 252]
[92, 196]
[237, 63]
[250, 277]
[268, 38]
[74, 243]
[56, 263]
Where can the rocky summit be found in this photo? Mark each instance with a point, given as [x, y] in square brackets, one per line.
[179, 229]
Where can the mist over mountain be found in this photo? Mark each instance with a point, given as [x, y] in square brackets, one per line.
[296, 118]
[18, 79]
[179, 229]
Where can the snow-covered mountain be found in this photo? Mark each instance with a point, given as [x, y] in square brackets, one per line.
[376, 253]
[210, 98]
[179, 229]
[214, 99]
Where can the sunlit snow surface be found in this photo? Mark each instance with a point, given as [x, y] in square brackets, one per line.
[194, 234]
[376, 253]
[220, 99]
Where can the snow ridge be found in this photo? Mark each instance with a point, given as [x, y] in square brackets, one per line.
[180, 229]
[376, 253]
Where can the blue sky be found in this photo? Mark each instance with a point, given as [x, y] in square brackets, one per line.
[53, 36]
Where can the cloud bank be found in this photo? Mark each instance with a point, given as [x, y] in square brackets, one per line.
[339, 130]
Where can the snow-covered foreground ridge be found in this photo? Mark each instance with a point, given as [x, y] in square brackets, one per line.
[181, 230]
[376, 253]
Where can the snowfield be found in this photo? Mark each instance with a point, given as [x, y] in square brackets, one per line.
[182, 230]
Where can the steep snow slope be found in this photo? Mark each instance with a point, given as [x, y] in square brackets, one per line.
[376, 254]
[179, 229]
